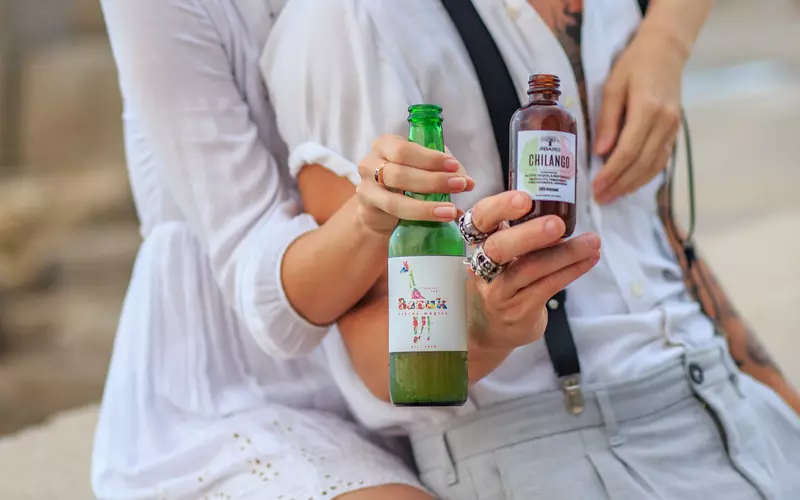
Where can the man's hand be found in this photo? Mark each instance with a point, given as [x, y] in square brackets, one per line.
[644, 91]
[510, 311]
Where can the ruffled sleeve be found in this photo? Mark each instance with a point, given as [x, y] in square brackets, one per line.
[178, 87]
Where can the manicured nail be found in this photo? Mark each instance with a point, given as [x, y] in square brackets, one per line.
[445, 212]
[457, 183]
[451, 165]
[518, 201]
[551, 227]
[592, 241]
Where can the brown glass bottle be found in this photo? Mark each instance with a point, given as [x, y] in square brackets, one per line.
[544, 153]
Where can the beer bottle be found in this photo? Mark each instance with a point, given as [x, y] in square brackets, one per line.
[427, 296]
[544, 153]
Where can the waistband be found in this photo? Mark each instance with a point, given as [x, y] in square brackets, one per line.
[542, 415]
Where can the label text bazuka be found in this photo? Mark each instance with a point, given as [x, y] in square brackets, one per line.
[410, 305]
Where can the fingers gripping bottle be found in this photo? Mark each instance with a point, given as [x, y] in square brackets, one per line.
[427, 296]
[544, 153]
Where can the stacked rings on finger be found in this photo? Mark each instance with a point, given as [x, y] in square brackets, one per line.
[468, 230]
[483, 266]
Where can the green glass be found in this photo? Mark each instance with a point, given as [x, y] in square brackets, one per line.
[435, 378]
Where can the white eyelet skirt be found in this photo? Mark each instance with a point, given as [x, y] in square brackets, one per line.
[193, 407]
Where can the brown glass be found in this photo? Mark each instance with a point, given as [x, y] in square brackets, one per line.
[543, 112]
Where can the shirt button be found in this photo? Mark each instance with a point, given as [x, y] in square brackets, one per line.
[513, 12]
[552, 304]
[696, 373]
[637, 289]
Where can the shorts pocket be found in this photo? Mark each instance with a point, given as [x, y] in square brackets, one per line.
[551, 468]
[436, 480]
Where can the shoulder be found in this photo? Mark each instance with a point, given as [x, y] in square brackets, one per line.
[329, 17]
[157, 18]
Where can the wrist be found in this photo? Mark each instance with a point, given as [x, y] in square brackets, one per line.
[675, 24]
[666, 38]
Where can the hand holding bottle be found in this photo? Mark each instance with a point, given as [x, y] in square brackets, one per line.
[510, 311]
[395, 165]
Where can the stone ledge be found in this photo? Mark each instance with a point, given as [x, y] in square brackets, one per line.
[38, 212]
[50, 462]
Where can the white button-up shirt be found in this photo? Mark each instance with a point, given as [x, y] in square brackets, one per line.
[342, 72]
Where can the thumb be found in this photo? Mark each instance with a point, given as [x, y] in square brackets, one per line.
[610, 116]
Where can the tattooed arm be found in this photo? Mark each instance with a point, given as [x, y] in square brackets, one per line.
[746, 349]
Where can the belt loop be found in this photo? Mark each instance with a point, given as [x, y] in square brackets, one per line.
[609, 419]
[450, 475]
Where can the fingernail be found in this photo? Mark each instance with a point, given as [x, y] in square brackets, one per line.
[457, 183]
[451, 165]
[592, 241]
[551, 227]
[444, 212]
[518, 201]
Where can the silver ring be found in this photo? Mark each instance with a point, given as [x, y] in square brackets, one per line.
[484, 267]
[468, 230]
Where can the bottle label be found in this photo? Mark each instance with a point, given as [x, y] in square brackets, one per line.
[546, 164]
[427, 304]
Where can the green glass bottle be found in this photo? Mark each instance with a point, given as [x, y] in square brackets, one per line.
[427, 296]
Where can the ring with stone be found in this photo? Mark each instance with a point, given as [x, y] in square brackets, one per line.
[483, 266]
[468, 230]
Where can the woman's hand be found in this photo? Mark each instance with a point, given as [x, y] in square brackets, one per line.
[644, 89]
[407, 167]
[510, 311]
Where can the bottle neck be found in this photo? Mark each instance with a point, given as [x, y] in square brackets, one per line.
[429, 134]
[543, 97]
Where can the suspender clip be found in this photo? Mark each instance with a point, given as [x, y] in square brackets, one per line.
[573, 395]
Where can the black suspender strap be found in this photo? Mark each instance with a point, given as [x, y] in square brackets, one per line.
[501, 99]
[496, 83]
[563, 353]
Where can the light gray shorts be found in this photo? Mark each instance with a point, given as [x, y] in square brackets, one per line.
[697, 429]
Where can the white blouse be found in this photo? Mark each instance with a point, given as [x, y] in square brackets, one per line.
[365, 61]
[198, 402]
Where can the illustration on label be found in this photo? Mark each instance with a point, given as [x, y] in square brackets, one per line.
[430, 315]
[546, 164]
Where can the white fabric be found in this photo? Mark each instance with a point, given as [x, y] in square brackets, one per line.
[365, 61]
[197, 402]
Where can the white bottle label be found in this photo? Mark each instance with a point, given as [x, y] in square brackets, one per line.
[546, 164]
[427, 304]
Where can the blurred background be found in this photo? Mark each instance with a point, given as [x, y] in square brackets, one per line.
[68, 232]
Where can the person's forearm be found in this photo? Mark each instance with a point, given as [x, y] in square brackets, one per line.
[365, 332]
[327, 271]
[679, 22]
[745, 348]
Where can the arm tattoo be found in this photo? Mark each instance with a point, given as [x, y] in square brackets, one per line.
[746, 349]
[565, 18]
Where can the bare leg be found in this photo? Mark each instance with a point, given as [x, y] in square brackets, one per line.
[387, 492]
